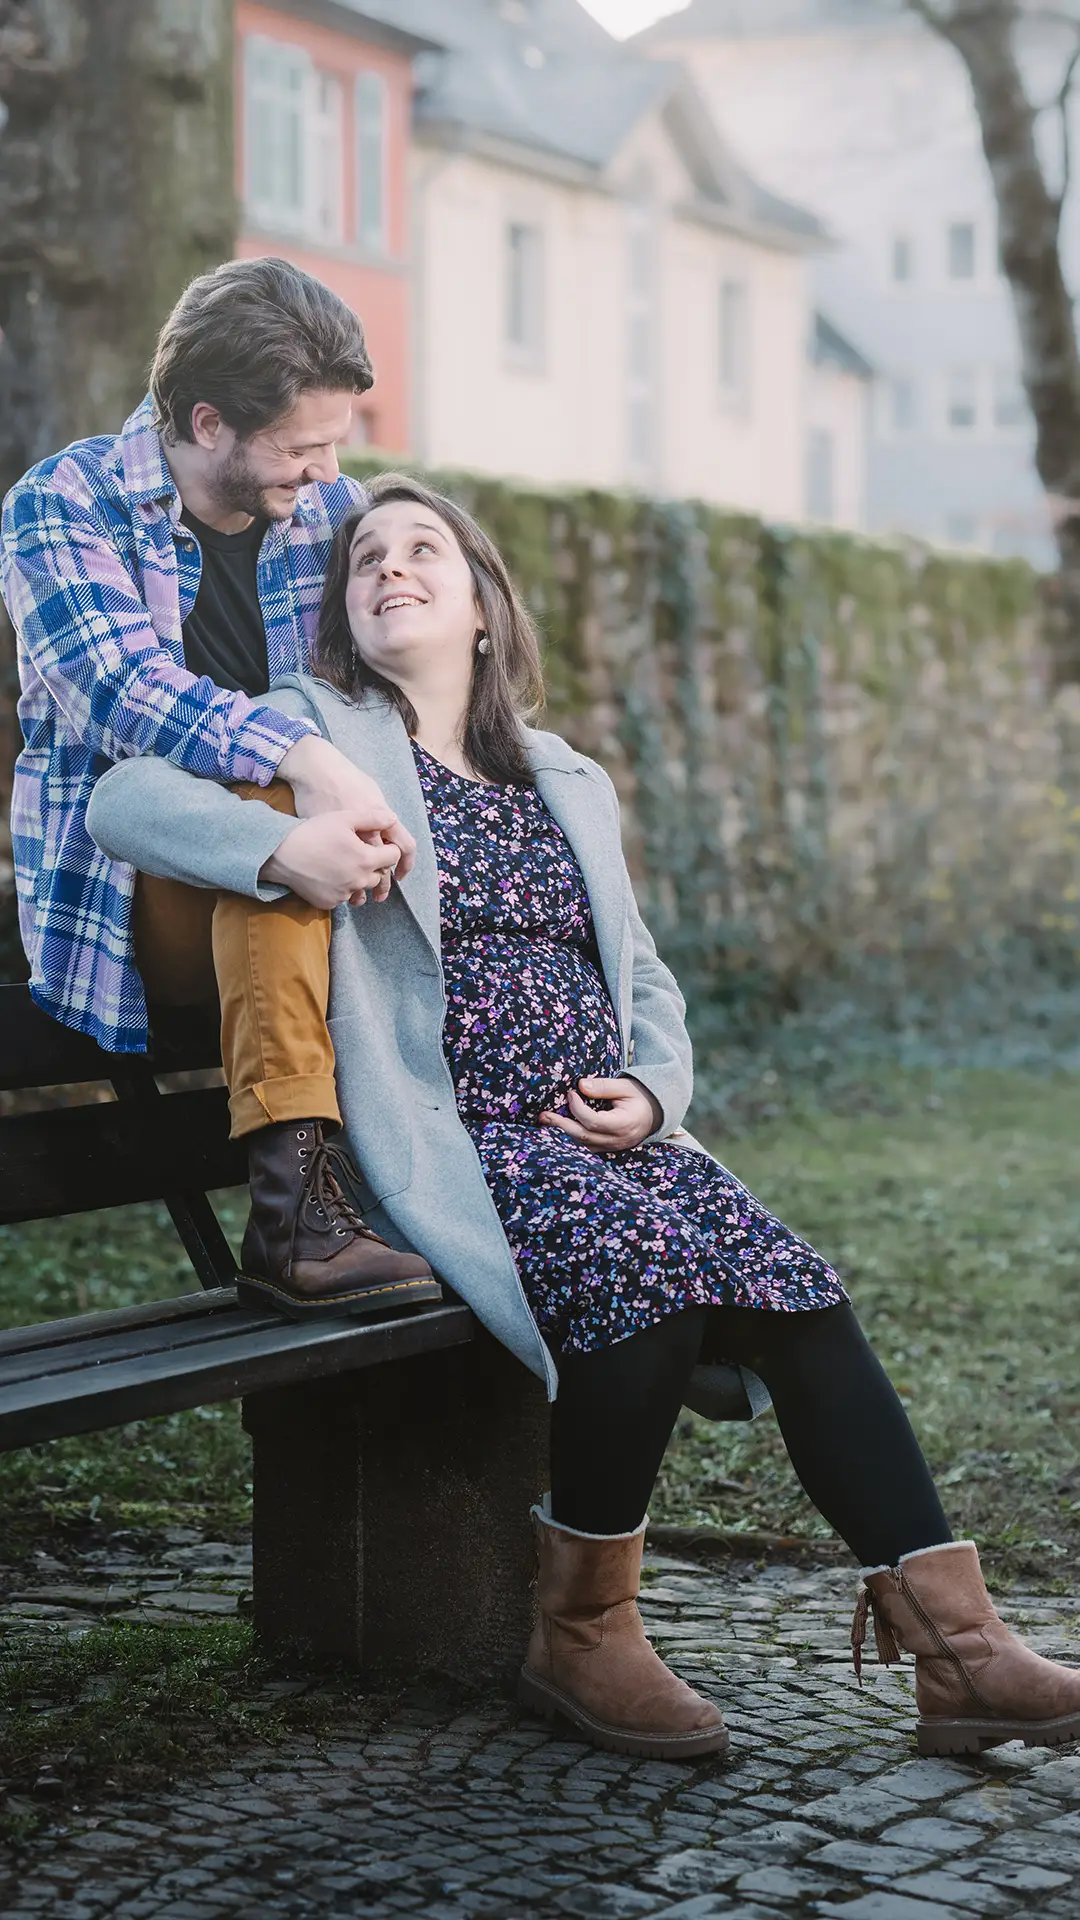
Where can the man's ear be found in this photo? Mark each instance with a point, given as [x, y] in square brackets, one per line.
[206, 425]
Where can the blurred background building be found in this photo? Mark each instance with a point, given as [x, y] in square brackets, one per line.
[567, 272]
[855, 106]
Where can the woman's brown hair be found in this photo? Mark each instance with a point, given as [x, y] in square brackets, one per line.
[507, 685]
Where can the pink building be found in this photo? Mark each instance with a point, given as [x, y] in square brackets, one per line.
[323, 104]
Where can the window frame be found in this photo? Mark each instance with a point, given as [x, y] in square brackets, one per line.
[525, 288]
[734, 361]
[369, 79]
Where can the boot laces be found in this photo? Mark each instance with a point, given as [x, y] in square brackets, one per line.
[326, 1188]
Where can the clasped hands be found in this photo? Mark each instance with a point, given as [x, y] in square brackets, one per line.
[347, 842]
[629, 1119]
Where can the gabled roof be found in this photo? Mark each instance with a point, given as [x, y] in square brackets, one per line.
[377, 23]
[831, 348]
[539, 83]
[737, 19]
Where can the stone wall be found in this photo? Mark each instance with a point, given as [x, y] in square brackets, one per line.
[835, 757]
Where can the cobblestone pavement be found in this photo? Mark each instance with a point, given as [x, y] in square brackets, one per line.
[821, 1808]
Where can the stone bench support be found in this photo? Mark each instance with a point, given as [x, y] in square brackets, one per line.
[391, 1523]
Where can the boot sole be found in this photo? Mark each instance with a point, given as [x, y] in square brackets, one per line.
[550, 1704]
[421, 1292]
[972, 1736]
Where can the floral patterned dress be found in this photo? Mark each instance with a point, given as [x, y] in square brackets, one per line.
[605, 1244]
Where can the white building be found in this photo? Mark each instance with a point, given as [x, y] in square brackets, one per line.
[859, 108]
[604, 296]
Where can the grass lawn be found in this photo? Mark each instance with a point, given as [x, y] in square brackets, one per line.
[952, 1209]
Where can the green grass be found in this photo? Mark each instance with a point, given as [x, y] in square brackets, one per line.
[955, 1222]
[188, 1468]
[953, 1213]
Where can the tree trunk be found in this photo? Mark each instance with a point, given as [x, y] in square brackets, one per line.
[116, 186]
[1029, 220]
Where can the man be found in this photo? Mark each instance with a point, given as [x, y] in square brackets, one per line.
[158, 582]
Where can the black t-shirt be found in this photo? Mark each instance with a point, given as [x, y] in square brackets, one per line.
[224, 634]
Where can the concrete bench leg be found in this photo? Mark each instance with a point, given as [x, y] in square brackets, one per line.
[391, 1525]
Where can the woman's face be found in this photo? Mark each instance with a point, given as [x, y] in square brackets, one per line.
[410, 600]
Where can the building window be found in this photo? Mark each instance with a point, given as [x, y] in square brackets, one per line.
[641, 366]
[903, 258]
[903, 404]
[324, 146]
[1010, 400]
[276, 79]
[293, 120]
[372, 119]
[961, 400]
[525, 293]
[734, 340]
[961, 250]
[821, 475]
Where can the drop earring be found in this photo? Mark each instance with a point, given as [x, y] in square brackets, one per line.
[483, 644]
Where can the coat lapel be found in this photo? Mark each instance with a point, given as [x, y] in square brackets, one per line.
[588, 820]
[373, 737]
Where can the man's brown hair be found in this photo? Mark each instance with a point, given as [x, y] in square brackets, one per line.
[249, 339]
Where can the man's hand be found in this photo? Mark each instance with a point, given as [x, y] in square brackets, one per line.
[631, 1117]
[324, 781]
[326, 860]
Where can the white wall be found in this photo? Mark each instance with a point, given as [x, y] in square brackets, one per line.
[565, 420]
[873, 127]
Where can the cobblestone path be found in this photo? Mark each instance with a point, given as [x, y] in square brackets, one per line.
[822, 1808]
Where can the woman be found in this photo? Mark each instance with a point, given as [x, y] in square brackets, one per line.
[513, 1071]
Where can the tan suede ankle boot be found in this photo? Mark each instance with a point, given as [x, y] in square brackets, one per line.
[976, 1684]
[588, 1658]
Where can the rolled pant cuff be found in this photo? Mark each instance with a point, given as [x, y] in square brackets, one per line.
[302, 1097]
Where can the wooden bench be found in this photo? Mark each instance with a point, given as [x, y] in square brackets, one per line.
[394, 1460]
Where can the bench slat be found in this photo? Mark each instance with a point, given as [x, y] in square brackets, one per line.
[168, 1336]
[221, 1369]
[80, 1159]
[149, 1313]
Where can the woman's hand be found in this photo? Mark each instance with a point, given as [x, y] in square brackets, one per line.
[631, 1117]
[325, 781]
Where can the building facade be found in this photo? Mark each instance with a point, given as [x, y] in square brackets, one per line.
[324, 102]
[868, 114]
[564, 271]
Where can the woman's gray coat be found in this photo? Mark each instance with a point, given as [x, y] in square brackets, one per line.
[423, 1186]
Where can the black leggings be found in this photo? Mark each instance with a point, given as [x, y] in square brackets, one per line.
[847, 1435]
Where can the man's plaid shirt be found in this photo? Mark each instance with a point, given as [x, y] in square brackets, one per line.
[98, 574]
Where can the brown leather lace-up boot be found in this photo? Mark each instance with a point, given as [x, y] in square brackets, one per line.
[976, 1684]
[306, 1250]
[589, 1660]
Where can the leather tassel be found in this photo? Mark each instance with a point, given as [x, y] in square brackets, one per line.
[888, 1647]
[858, 1631]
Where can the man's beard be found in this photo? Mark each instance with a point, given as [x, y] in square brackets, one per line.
[237, 488]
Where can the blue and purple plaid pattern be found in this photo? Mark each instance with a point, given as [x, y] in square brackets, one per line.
[98, 574]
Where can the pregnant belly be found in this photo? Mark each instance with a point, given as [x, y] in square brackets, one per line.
[525, 1020]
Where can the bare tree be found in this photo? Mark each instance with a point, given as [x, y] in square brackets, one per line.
[987, 34]
[116, 186]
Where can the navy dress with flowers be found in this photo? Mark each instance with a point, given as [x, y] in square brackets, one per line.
[605, 1244]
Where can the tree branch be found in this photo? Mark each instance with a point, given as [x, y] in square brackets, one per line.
[1061, 103]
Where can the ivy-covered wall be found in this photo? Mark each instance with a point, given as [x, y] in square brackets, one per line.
[837, 760]
[835, 757]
